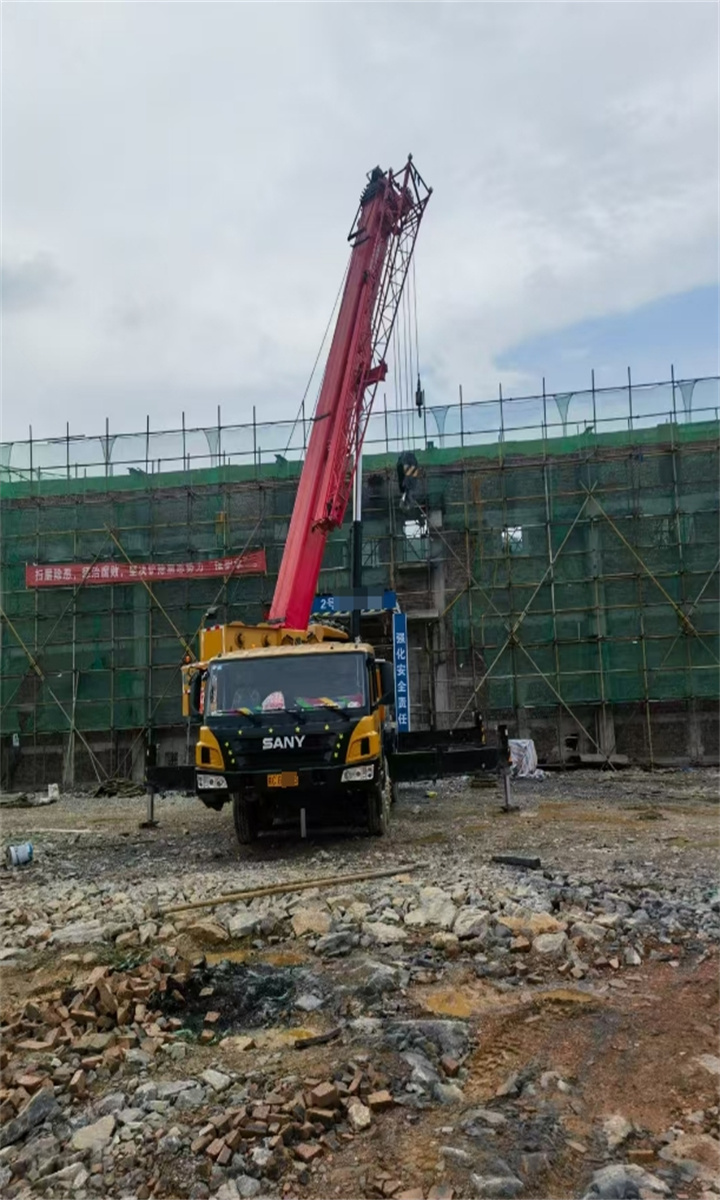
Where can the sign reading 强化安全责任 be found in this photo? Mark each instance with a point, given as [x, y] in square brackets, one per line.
[402, 672]
[72, 574]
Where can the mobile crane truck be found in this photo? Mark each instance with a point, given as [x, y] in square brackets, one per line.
[294, 716]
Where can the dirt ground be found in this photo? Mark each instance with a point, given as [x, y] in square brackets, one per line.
[589, 820]
[626, 1041]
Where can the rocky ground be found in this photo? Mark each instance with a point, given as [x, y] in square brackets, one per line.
[460, 1028]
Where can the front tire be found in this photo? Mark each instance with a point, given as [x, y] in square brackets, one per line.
[245, 819]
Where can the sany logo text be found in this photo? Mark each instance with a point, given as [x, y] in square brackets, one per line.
[283, 743]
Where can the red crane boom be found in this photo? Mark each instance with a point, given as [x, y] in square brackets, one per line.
[383, 238]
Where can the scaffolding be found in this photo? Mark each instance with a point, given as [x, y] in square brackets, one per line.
[559, 570]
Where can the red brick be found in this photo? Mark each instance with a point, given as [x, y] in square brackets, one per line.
[234, 1138]
[78, 1083]
[307, 1151]
[30, 1082]
[322, 1116]
[325, 1095]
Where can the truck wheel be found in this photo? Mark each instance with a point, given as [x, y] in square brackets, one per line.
[245, 818]
[378, 805]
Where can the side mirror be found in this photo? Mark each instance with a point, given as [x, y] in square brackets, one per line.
[387, 682]
[196, 684]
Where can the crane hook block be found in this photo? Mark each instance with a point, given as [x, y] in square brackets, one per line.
[419, 397]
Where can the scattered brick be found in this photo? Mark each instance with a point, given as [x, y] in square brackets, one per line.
[325, 1095]
[201, 1143]
[322, 1116]
[221, 1122]
[307, 1151]
[379, 1101]
[233, 1139]
[30, 1082]
[78, 1083]
[254, 1129]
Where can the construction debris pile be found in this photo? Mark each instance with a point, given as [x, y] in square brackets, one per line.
[464, 1029]
[109, 1025]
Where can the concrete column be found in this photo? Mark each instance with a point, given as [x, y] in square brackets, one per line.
[696, 750]
[605, 729]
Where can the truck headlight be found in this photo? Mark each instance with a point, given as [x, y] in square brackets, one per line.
[211, 781]
[358, 774]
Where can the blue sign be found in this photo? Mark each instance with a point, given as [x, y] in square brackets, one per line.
[402, 672]
[364, 599]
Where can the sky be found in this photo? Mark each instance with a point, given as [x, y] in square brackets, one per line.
[178, 182]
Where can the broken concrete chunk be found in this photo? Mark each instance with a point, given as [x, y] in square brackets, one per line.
[435, 908]
[94, 1137]
[617, 1130]
[209, 931]
[311, 920]
[470, 922]
[41, 1107]
[384, 933]
[359, 1116]
[496, 1185]
[550, 945]
[79, 933]
[243, 923]
[588, 931]
[216, 1080]
[486, 1115]
[334, 945]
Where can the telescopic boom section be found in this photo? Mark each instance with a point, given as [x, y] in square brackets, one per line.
[383, 239]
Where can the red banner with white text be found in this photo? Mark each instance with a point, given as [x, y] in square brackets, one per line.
[106, 573]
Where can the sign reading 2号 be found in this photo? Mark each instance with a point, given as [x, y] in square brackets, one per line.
[402, 672]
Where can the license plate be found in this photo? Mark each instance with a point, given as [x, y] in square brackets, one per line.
[284, 779]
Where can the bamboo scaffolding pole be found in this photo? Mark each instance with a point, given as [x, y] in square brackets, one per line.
[293, 885]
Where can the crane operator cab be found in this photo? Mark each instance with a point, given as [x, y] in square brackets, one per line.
[295, 729]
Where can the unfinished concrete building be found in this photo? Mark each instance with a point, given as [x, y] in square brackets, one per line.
[558, 564]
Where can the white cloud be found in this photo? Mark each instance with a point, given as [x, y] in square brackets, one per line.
[190, 172]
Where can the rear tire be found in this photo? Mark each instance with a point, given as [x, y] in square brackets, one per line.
[245, 819]
[378, 805]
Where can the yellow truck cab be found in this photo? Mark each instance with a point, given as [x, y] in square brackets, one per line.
[294, 732]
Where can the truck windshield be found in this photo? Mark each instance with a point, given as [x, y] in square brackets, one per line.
[288, 683]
